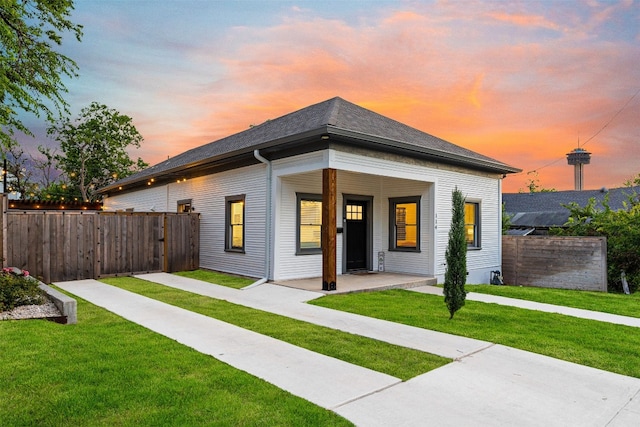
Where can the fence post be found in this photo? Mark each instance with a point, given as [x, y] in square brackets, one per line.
[3, 230]
[97, 250]
[165, 243]
[517, 263]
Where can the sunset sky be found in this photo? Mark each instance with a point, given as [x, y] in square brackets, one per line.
[523, 82]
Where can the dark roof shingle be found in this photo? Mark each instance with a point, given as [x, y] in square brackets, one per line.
[334, 116]
[546, 209]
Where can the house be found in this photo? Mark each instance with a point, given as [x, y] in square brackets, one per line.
[382, 187]
[9, 181]
[536, 213]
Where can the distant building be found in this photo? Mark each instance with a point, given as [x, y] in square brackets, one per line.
[578, 158]
[535, 213]
[7, 186]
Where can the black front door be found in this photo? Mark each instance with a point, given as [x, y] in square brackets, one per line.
[356, 234]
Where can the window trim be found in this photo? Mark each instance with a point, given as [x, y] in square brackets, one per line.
[393, 201]
[477, 245]
[185, 202]
[299, 198]
[228, 245]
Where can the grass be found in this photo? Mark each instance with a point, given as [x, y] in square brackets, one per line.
[587, 342]
[400, 362]
[624, 305]
[107, 371]
[222, 279]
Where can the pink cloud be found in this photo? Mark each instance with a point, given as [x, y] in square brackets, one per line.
[536, 21]
[443, 69]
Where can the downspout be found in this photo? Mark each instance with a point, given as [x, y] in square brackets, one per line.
[268, 220]
[499, 226]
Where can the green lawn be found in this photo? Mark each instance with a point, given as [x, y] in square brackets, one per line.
[601, 345]
[625, 305]
[400, 362]
[222, 279]
[107, 371]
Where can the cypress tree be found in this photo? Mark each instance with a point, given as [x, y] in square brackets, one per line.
[455, 275]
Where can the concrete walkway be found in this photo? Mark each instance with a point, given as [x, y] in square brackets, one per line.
[539, 306]
[488, 384]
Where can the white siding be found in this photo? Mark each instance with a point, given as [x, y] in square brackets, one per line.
[150, 199]
[359, 173]
[478, 186]
[410, 262]
[208, 197]
[485, 191]
[288, 265]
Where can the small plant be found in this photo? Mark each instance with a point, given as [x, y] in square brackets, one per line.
[456, 256]
[18, 288]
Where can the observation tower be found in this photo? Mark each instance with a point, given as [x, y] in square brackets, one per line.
[578, 157]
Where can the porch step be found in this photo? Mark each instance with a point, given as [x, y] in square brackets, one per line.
[411, 282]
[365, 281]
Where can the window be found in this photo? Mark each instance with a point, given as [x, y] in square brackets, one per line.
[184, 206]
[472, 224]
[404, 224]
[234, 219]
[309, 229]
[354, 212]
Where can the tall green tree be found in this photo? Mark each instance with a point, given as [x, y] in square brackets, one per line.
[455, 275]
[31, 70]
[94, 149]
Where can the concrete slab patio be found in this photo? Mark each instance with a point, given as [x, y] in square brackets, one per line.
[488, 385]
[365, 281]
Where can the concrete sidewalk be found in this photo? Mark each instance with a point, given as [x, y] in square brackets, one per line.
[539, 306]
[289, 302]
[487, 385]
[323, 380]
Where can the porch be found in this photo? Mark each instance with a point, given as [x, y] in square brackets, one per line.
[361, 282]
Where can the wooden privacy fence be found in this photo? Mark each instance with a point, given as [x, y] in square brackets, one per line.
[59, 246]
[555, 262]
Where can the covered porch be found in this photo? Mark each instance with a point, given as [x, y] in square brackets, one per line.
[361, 282]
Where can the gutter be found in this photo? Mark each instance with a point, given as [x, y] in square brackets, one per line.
[139, 178]
[269, 217]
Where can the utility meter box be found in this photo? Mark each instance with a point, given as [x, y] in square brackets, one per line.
[380, 261]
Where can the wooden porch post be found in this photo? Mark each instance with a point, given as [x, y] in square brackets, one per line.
[329, 192]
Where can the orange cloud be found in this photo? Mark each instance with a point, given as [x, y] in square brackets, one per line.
[519, 99]
[524, 20]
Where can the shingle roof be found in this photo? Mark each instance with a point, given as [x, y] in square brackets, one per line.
[553, 201]
[547, 210]
[333, 117]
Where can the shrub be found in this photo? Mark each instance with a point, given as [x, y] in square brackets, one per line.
[456, 256]
[18, 288]
[622, 230]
